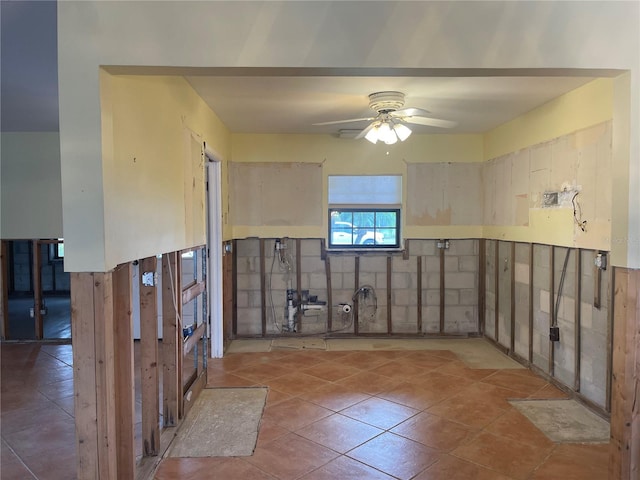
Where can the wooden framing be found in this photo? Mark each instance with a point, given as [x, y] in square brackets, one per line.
[482, 284]
[4, 291]
[419, 292]
[299, 280]
[171, 335]
[531, 263]
[442, 295]
[389, 303]
[263, 288]
[356, 326]
[150, 376]
[552, 314]
[327, 270]
[512, 279]
[124, 378]
[577, 320]
[37, 290]
[496, 287]
[625, 412]
[103, 400]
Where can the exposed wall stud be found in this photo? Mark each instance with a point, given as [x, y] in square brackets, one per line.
[482, 284]
[512, 281]
[531, 263]
[577, 320]
[4, 291]
[299, 280]
[389, 302]
[171, 351]
[263, 296]
[496, 287]
[150, 375]
[37, 290]
[327, 269]
[356, 326]
[442, 286]
[552, 313]
[419, 291]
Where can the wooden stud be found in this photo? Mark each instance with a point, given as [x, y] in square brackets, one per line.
[234, 287]
[194, 290]
[552, 315]
[84, 375]
[171, 376]
[625, 412]
[4, 291]
[597, 287]
[327, 270]
[389, 303]
[356, 326]
[299, 280]
[227, 295]
[124, 380]
[610, 340]
[405, 252]
[442, 287]
[531, 262]
[105, 373]
[496, 287]
[419, 291]
[577, 320]
[482, 284]
[512, 333]
[150, 376]
[263, 289]
[37, 290]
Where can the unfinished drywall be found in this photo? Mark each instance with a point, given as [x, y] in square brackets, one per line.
[578, 165]
[385, 293]
[444, 194]
[579, 360]
[276, 194]
[31, 190]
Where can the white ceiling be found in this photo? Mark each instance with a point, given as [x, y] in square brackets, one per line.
[272, 100]
[292, 104]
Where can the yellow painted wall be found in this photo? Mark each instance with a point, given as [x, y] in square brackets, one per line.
[147, 126]
[585, 106]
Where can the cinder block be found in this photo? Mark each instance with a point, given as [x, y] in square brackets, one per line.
[468, 296]
[543, 304]
[242, 299]
[460, 320]
[312, 265]
[522, 273]
[248, 265]
[348, 281]
[403, 297]
[451, 297]
[431, 297]
[400, 280]
[310, 247]
[461, 247]
[450, 264]
[247, 281]
[381, 280]
[422, 247]
[336, 280]
[317, 281]
[373, 263]
[460, 280]
[468, 263]
[432, 264]
[249, 247]
[399, 264]
[369, 278]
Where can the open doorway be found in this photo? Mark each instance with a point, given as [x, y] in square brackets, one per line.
[214, 247]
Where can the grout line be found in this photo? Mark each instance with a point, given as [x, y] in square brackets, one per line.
[20, 459]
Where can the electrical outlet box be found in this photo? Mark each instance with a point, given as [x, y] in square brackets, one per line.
[443, 244]
[601, 261]
[550, 199]
[554, 334]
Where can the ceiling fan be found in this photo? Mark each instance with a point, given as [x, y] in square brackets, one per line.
[389, 124]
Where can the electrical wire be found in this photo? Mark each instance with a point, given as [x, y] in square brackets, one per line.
[554, 321]
[173, 294]
[273, 308]
[578, 209]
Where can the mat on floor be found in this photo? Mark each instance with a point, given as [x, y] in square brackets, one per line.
[223, 422]
[565, 421]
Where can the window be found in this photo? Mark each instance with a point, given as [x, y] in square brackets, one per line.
[364, 211]
[56, 250]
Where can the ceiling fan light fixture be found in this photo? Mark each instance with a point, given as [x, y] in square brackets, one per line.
[386, 133]
[372, 135]
[402, 131]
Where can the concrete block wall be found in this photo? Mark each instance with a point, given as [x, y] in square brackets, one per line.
[393, 277]
[52, 275]
[593, 320]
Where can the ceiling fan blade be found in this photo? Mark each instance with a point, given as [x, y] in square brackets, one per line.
[410, 112]
[364, 132]
[431, 122]
[350, 120]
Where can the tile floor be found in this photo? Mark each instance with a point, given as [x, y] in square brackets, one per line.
[423, 415]
[341, 415]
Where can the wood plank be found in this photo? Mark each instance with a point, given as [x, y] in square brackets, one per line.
[496, 288]
[625, 408]
[234, 286]
[171, 376]
[299, 281]
[531, 262]
[37, 289]
[124, 366]
[512, 282]
[482, 284]
[263, 289]
[327, 270]
[356, 326]
[389, 303]
[84, 375]
[4, 291]
[227, 295]
[597, 287]
[552, 315]
[577, 320]
[442, 296]
[419, 292]
[150, 375]
[193, 291]
[193, 340]
[103, 317]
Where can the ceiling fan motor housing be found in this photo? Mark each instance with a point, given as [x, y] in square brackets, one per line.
[385, 102]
